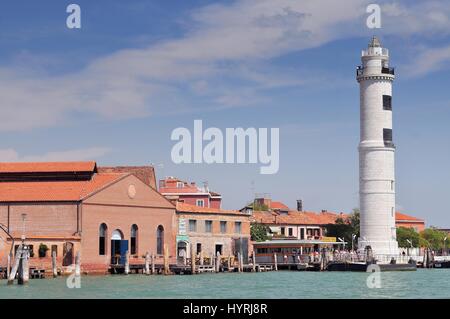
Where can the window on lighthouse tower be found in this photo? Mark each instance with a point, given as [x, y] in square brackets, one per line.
[387, 137]
[387, 102]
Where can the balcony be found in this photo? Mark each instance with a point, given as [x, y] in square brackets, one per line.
[388, 70]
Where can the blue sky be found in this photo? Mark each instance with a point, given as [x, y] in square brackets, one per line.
[114, 91]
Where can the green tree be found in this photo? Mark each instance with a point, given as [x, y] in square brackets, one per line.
[345, 228]
[404, 234]
[258, 232]
[434, 238]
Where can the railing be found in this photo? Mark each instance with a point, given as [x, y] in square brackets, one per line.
[388, 70]
[384, 70]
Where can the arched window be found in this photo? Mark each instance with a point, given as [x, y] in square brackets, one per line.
[134, 239]
[160, 240]
[102, 239]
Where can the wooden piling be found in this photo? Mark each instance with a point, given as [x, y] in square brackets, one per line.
[8, 269]
[254, 261]
[201, 258]
[147, 264]
[193, 260]
[78, 265]
[230, 266]
[239, 262]
[25, 266]
[15, 267]
[54, 269]
[166, 260]
[127, 263]
[275, 261]
[153, 264]
[218, 262]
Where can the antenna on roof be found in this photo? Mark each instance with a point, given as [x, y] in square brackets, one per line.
[205, 186]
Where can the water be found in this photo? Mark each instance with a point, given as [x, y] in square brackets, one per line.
[423, 283]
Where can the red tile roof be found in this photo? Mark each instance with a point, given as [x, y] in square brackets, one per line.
[278, 205]
[187, 208]
[145, 173]
[55, 190]
[403, 217]
[47, 167]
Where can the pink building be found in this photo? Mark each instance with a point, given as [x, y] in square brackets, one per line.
[177, 190]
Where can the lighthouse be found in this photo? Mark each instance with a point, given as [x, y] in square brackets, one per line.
[376, 152]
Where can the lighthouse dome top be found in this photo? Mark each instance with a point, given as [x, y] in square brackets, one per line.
[375, 42]
[375, 50]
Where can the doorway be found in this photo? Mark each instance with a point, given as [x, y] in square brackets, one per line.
[67, 254]
[119, 248]
[219, 249]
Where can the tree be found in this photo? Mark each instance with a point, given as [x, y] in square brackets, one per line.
[404, 234]
[258, 232]
[435, 238]
[345, 228]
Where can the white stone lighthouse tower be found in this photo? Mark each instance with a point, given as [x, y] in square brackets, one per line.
[376, 152]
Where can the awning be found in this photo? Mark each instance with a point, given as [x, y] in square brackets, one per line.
[275, 229]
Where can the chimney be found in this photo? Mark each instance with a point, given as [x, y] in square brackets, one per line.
[299, 205]
[324, 211]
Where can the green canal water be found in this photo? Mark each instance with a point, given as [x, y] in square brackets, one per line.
[424, 283]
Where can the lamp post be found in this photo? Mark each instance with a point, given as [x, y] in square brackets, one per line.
[353, 239]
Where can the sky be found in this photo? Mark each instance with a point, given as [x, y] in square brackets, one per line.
[114, 90]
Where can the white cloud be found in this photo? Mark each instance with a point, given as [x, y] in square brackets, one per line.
[233, 41]
[93, 153]
[429, 60]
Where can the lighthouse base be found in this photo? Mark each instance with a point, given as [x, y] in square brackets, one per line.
[380, 249]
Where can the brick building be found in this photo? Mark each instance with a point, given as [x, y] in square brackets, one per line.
[403, 220]
[212, 230]
[75, 207]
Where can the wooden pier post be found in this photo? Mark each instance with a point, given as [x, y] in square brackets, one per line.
[15, 267]
[275, 260]
[239, 262]
[230, 266]
[166, 261]
[153, 264]
[127, 263]
[254, 261]
[54, 269]
[147, 264]
[218, 262]
[8, 269]
[78, 265]
[242, 263]
[25, 266]
[201, 258]
[193, 260]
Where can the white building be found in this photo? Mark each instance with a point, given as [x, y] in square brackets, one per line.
[376, 152]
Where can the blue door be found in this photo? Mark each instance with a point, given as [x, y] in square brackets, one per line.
[123, 251]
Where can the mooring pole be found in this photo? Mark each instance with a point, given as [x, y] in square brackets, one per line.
[147, 264]
[254, 261]
[275, 261]
[193, 259]
[127, 263]
[54, 269]
[166, 261]
[25, 267]
[78, 265]
[153, 264]
[218, 262]
[15, 267]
